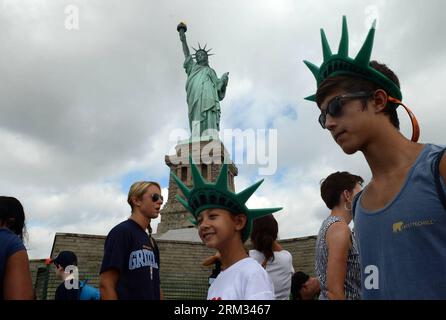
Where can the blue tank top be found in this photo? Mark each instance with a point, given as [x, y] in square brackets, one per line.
[403, 245]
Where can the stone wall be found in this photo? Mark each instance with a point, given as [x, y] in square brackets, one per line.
[39, 275]
[182, 276]
[89, 250]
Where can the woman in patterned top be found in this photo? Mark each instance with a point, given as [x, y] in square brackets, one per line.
[337, 257]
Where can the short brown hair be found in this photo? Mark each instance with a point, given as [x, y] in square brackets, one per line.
[138, 189]
[352, 83]
[333, 186]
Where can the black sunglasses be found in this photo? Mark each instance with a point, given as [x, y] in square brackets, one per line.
[156, 197]
[334, 106]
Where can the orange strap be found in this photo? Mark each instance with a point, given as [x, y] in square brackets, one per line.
[413, 119]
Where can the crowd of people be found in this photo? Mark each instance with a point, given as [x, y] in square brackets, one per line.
[395, 251]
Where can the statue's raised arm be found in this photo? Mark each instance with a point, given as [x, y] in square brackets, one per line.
[182, 28]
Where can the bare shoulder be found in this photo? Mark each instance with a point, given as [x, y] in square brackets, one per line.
[338, 237]
[338, 231]
[339, 226]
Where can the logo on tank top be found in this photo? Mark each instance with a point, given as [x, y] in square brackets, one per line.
[401, 226]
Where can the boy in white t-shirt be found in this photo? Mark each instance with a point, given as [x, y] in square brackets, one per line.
[224, 223]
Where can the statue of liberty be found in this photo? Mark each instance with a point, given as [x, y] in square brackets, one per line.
[204, 89]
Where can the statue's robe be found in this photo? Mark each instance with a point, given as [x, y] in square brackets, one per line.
[204, 91]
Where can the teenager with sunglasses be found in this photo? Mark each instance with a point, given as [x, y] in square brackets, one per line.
[130, 267]
[400, 217]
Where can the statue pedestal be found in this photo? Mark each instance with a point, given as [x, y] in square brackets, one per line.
[208, 155]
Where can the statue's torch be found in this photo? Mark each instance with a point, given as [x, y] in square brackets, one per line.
[182, 28]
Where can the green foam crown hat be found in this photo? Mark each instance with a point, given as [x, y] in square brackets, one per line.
[206, 195]
[342, 64]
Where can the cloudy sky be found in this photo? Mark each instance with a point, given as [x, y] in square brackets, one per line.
[87, 111]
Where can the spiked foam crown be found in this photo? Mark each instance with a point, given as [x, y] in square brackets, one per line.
[206, 195]
[342, 64]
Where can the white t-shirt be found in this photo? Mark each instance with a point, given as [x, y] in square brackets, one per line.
[280, 271]
[244, 280]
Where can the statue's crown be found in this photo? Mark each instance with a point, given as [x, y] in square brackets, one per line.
[203, 50]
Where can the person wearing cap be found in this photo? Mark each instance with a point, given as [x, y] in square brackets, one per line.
[15, 276]
[304, 287]
[65, 264]
[131, 262]
[224, 224]
[400, 217]
[71, 288]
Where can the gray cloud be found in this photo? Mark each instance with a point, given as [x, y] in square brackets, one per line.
[81, 109]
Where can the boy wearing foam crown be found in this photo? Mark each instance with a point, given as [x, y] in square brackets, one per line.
[357, 99]
[224, 223]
